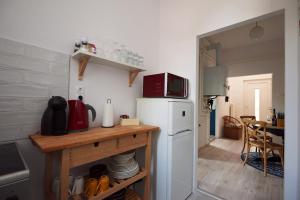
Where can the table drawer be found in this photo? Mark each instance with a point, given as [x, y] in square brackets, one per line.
[92, 152]
[133, 140]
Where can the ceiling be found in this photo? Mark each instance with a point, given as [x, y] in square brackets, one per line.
[237, 37]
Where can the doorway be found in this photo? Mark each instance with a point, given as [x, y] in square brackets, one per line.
[258, 99]
[213, 123]
[220, 167]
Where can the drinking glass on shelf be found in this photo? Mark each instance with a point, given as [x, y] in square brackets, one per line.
[123, 54]
[138, 60]
[141, 61]
[135, 59]
[115, 53]
[107, 47]
[129, 57]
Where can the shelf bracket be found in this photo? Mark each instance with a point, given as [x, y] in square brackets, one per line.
[82, 65]
[132, 76]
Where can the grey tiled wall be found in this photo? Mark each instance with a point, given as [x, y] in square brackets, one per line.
[29, 75]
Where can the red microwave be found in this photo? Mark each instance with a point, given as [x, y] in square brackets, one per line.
[165, 85]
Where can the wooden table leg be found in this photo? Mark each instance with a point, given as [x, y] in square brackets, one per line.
[148, 168]
[48, 176]
[64, 174]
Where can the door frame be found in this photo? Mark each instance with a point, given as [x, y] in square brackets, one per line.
[292, 110]
[256, 80]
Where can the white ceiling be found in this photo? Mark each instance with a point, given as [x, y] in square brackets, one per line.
[237, 37]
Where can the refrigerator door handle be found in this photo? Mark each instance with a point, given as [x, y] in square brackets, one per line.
[186, 130]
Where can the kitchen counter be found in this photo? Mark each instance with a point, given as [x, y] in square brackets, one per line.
[55, 143]
[77, 149]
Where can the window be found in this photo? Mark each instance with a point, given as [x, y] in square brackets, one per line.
[256, 102]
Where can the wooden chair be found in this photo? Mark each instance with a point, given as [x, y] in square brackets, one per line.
[257, 130]
[246, 120]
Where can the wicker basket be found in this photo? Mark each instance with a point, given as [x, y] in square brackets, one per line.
[233, 129]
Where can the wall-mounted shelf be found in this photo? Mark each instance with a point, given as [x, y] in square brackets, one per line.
[86, 57]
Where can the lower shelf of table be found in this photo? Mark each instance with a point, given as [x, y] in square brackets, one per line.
[132, 195]
[118, 185]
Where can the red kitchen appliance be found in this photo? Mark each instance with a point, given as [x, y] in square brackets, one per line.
[78, 116]
[165, 85]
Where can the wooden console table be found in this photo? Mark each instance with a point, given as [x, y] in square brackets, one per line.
[84, 147]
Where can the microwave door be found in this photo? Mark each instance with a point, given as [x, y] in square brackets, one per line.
[175, 86]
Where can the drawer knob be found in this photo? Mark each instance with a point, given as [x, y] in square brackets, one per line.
[96, 144]
[134, 135]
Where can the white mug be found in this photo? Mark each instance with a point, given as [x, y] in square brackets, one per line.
[56, 186]
[78, 186]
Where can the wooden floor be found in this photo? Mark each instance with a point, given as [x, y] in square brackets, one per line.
[201, 196]
[221, 172]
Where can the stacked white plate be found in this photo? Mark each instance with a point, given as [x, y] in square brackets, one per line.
[123, 166]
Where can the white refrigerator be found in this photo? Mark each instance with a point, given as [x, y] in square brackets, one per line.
[172, 148]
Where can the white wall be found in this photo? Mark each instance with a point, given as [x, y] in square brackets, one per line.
[182, 21]
[261, 58]
[57, 24]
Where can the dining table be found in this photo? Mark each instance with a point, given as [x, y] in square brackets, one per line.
[275, 130]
